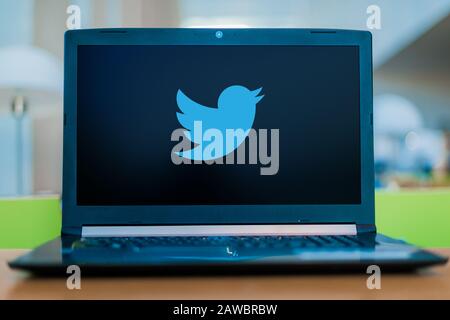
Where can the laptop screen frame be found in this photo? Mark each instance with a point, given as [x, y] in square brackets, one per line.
[75, 216]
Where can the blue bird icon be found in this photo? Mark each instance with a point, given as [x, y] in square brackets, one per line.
[236, 108]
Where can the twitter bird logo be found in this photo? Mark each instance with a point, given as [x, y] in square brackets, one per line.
[236, 108]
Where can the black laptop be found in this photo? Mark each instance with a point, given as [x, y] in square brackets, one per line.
[219, 151]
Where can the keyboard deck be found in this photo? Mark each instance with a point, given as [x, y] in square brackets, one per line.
[235, 241]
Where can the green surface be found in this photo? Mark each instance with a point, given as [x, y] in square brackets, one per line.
[26, 223]
[419, 217]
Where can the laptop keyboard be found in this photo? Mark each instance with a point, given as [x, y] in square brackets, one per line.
[235, 241]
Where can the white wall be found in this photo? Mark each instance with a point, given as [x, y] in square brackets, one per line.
[16, 22]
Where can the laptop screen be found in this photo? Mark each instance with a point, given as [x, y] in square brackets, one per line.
[224, 124]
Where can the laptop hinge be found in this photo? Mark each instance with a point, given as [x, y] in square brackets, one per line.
[366, 228]
[219, 230]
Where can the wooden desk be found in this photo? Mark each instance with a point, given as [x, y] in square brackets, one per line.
[431, 283]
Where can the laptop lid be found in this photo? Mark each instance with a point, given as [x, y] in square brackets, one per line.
[217, 127]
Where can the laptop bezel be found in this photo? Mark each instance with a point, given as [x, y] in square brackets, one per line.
[74, 216]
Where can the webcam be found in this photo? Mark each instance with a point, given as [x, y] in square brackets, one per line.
[219, 34]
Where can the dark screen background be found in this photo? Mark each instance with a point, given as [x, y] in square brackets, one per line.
[126, 102]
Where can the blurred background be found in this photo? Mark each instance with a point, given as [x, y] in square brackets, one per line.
[411, 76]
[411, 60]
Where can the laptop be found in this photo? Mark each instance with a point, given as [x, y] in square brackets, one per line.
[236, 150]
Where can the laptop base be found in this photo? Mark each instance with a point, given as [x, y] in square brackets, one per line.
[390, 255]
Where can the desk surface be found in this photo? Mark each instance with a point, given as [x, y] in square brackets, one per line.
[433, 283]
